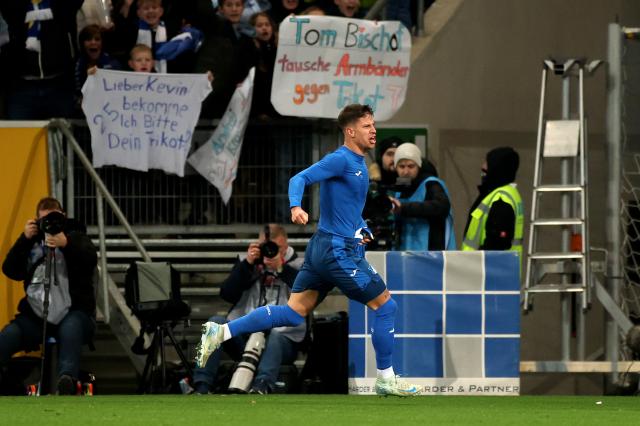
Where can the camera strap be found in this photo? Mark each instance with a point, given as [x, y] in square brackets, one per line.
[269, 289]
[59, 296]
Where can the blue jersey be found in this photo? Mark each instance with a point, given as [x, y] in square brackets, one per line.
[344, 182]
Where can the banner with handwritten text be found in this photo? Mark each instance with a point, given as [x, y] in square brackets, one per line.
[325, 63]
[217, 160]
[142, 121]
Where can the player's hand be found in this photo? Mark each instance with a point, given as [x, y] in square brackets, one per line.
[299, 216]
[53, 241]
[364, 236]
[397, 206]
[30, 229]
[253, 253]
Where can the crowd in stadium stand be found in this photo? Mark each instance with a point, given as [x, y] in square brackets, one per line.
[46, 46]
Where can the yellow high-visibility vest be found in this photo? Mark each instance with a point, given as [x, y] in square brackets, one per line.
[476, 233]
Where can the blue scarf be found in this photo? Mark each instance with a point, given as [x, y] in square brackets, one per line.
[144, 37]
[39, 10]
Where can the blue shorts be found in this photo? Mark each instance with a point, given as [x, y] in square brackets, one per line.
[332, 261]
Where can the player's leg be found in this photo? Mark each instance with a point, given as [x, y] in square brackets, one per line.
[382, 337]
[305, 294]
[301, 302]
[359, 281]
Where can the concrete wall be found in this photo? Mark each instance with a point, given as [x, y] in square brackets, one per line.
[476, 84]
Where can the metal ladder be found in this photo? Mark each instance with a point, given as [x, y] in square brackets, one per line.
[560, 270]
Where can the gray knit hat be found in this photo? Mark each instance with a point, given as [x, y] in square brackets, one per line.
[408, 151]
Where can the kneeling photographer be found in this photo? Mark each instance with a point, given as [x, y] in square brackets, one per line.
[53, 257]
[423, 214]
[263, 276]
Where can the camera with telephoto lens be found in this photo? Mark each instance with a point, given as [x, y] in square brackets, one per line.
[246, 369]
[377, 213]
[51, 224]
[268, 248]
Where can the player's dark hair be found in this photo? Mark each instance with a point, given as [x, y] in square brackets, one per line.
[352, 113]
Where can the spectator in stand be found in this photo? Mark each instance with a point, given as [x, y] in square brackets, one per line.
[141, 59]
[313, 11]
[400, 10]
[345, 8]
[91, 55]
[266, 45]
[144, 27]
[253, 7]
[283, 8]
[40, 57]
[406, 11]
[227, 50]
[147, 26]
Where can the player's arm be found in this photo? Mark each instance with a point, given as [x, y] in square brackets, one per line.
[330, 166]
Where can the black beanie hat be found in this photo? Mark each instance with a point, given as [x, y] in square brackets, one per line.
[385, 144]
[502, 165]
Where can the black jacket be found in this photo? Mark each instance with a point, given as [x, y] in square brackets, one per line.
[80, 256]
[229, 56]
[244, 275]
[502, 166]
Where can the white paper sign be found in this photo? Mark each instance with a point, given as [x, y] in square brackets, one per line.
[325, 63]
[561, 138]
[217, 160]
[142, 121]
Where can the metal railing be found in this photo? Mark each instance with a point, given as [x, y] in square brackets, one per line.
[127, 324]
[271, 154]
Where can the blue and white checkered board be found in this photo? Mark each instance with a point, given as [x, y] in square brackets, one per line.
[457, 330]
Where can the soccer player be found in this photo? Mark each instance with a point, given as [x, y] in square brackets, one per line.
[334, 256]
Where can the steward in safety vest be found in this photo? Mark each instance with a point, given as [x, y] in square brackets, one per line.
[496, 217]
[424, 218]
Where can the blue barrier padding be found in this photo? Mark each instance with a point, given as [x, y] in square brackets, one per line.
[502, 357]
[457, 312]
[464, 314]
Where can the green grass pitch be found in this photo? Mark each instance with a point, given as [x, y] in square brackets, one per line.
[325, 410]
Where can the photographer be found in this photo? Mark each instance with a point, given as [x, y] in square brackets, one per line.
[424, 220]
[263, 276]
[377, 208]
[383, 169]
[72, 304]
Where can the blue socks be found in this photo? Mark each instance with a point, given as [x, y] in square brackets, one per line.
[264, 318]
[382, 333]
